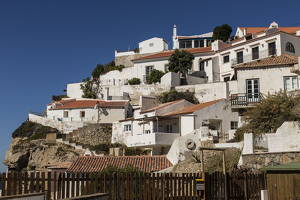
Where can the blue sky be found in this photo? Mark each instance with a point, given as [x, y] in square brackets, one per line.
[44, 45]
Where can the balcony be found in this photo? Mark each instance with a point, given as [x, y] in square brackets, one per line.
[253, 57]
[151, 140]
[244, 100]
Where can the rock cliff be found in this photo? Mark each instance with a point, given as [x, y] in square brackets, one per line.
[37, 155]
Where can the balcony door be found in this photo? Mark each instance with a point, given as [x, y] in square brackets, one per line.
[252, 89]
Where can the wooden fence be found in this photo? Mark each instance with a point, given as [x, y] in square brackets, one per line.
[135, 185]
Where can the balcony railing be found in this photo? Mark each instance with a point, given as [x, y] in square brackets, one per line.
[245, 99]
[126, 50]
[257, 55]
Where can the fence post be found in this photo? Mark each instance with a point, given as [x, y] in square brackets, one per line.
[49, 186]
[245, 186]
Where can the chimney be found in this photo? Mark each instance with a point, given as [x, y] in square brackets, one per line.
[174, 31]
[245, 31]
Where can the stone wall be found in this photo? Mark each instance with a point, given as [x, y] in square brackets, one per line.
[259, 160]
[95, 137]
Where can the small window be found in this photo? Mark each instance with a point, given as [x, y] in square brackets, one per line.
[202, 66]
[255, 54]
[226, 59]
[127, 127]
[151, 44]
[148, 70]
[169, 128]
[290, 82]
[234, 125]
[239, 56]
[197, 43]
[272, 48]
[289, 47]
[147, 132]
[166, 68]
[66, 114]
[82, 114]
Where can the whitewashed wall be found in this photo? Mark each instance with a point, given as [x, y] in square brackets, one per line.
[74, 91]
[153, 45]
[270, 79]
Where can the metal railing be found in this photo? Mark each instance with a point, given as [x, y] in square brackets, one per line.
[246, 99]
[127, 50]
[250, 57]
[38, 114]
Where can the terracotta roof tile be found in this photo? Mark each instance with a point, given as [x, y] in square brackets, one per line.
[90, 104]
[251, 30]
[169, 53]
[283, 59]
[127, 119]
[162, 106]
[98, 163]
[192, 108]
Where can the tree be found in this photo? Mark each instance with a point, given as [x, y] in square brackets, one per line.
[181, 61]
[270, 114]
[222, 32]
[98, 70]
[101, 69]
[155, 76]
[90, 88]
[174, 95]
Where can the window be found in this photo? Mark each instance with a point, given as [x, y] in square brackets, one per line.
[202, 66]
[148, 70]
[289, 47]
[255, 54]
[184, 44]
[147, 132]
[82, 114]
[226, 59]
[239, 56]
[166, 67]
[66, 114]
[208, 42]
[169, 128]
[127, 127]
[151, 44]
[252, 89]
[198, 43]
[234, 125]
[272, 48]
[290, 82]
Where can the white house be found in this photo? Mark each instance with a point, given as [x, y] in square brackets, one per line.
[157, 127]
[89, 110]
[194, 41]
[255, 44]
[263, 77]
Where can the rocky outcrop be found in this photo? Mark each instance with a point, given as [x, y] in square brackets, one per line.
[41, 153]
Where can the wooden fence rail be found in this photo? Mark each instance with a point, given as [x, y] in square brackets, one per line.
[134, 185]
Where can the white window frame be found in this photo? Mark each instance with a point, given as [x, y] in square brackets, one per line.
[291, 80]
[127, 127]
[234, 125]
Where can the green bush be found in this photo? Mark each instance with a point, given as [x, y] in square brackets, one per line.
[101, 69]
[134, 81]
[155, 76]
[270, 114]
[129, 168]
[174, 95]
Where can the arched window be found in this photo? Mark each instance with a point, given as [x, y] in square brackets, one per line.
[289, 47]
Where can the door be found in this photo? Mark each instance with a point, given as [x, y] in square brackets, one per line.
[252, 89]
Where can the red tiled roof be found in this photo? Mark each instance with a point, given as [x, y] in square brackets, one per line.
[162, 106]
[91, 104]
[192, 108]
[127, 119]
[251, 30]
[283, 59]
[98, 163]
[169, 53]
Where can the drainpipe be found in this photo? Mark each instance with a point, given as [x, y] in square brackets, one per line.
[157, 124]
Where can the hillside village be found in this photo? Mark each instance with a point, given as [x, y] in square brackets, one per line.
[226, 79]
